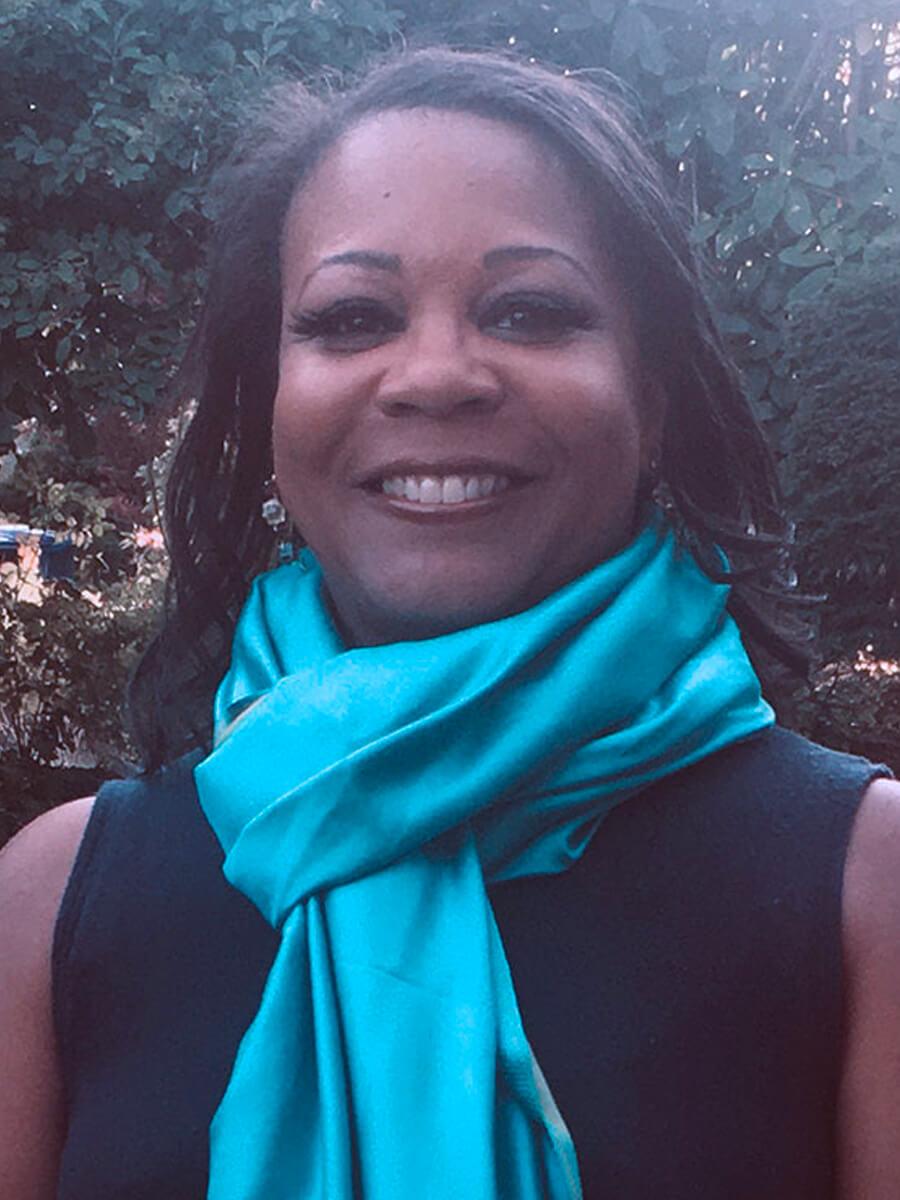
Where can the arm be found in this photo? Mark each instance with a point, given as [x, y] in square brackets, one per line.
[34, 868]
[868, 1132]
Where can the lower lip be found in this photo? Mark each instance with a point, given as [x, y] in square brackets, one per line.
[465, 510]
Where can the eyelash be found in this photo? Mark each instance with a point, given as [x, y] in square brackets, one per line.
[360, 324]
[325, 325]
[548, 317]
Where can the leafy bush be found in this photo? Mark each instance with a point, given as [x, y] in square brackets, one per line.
[843, 468]
[112, 114]
[68, 646]
[854, 705]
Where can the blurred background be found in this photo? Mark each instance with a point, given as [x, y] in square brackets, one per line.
[778, 123]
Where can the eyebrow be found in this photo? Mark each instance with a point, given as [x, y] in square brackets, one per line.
[530, 254]
[374, 259]
[379, 261]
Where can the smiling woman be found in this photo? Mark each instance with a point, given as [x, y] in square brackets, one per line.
[452, 325]
[467, 860]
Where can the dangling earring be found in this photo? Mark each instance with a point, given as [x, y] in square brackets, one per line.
[273, 513]
[649, 481]
[275, 516]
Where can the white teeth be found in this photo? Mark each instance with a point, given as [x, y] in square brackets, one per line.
[429, 490]
[453, 490]
[450, 489]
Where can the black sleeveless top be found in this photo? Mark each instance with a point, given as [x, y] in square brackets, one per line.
[681, 985]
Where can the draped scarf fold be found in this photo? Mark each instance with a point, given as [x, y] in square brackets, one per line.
[364, 797]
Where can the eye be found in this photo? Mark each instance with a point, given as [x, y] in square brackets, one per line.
[353, 324]
[537, 317]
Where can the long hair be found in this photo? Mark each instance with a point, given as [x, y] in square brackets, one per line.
[718, 479]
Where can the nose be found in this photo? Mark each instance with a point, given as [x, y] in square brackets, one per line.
[438, 372]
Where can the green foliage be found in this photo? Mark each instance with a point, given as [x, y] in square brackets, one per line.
[67, 647]
[854, 705]
[843, 470]
[113, 113]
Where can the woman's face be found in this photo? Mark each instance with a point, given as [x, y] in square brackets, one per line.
[461, 419]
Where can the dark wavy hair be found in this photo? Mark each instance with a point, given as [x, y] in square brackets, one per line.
[718, 480]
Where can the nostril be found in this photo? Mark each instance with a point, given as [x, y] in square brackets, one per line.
[442, 406]
[399, 408]
[477, 403]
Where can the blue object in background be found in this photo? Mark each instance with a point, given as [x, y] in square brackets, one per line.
[57, 559]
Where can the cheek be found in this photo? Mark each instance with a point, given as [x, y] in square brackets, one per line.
[590, 410]
[309, 421]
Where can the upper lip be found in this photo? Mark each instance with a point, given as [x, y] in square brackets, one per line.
[442, 466]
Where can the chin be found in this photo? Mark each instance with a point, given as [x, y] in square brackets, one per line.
[419, 605]
[396, 620]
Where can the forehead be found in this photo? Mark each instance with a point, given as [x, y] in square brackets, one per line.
[407, 181]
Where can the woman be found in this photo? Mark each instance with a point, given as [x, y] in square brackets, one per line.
[522, 894]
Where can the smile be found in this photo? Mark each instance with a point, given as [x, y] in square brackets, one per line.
[443, 489]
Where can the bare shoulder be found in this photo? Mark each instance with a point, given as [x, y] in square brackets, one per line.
[869, 1151]
[34, 868]
[47, 844]
[872, 877]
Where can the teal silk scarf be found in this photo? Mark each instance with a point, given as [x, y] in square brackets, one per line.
[364, 797]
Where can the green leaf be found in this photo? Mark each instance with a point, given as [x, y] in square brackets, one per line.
[675, 86]
[871, 132]
[718, 115]
[800, 255]
[129, 280]
[176, 203]
[810, 285]
[726, 242]
[769, 201]
[703, 230]
[63, 349]
[223, 54]
[785, 147]
[759, 162]
[652, 50]
[628, 33]
[741, 227]
[680, 132]
[603, 10]
[797, 210]
[849, 166]
[818, 176]
[575, 22]
[734, 324]
[756, 380]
